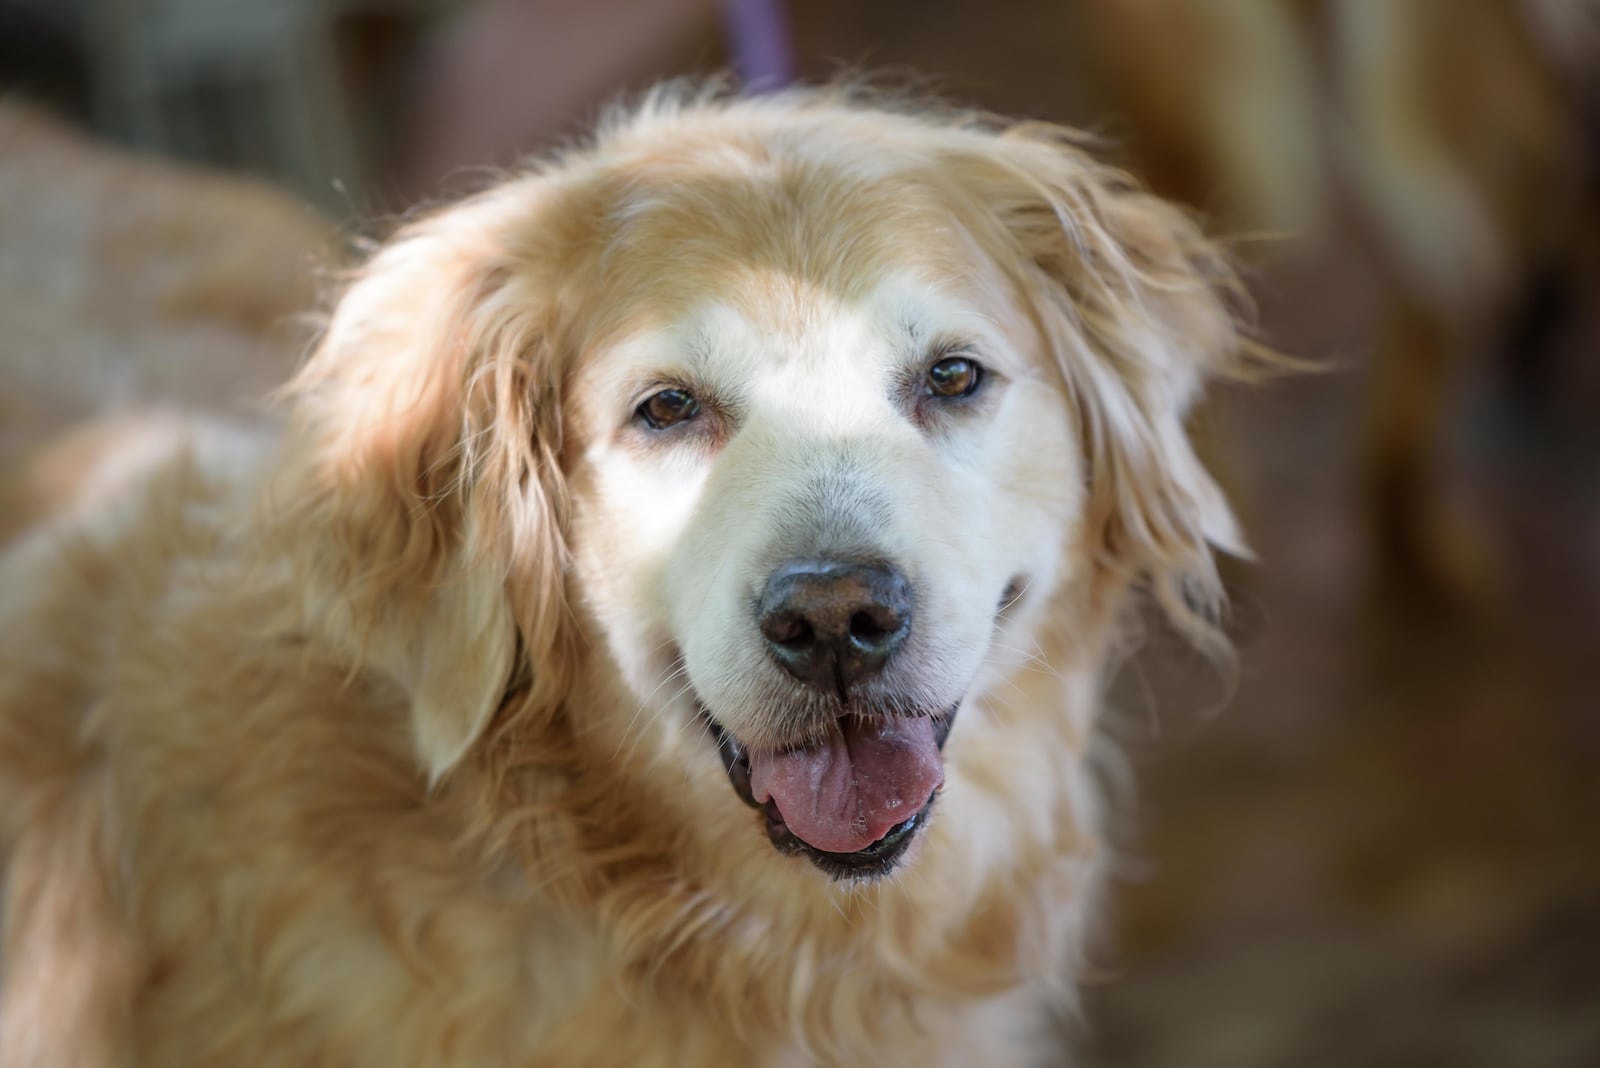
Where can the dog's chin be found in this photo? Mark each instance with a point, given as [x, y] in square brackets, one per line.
[912, 771]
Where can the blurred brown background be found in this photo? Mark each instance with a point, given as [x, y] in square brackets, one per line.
[1382, 848]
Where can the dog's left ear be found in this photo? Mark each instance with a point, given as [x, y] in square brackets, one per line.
[422, 500]
[1140, 309]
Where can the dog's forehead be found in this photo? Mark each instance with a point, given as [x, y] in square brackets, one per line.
[786, 322]
[777, 324]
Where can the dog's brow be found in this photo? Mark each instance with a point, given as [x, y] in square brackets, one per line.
[920, 333]
[697, 351]
[696, 364]
[913, 329]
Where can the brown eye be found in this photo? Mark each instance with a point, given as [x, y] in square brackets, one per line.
[954, 376]
[667, 408]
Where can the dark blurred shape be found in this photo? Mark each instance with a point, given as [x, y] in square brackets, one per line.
[1454, 146]
[506, 78]
[41, 58]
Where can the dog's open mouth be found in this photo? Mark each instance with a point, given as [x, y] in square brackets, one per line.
[851, 802]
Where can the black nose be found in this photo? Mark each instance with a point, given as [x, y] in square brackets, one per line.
[832, 624]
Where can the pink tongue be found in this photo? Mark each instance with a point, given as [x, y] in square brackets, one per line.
[845, 792]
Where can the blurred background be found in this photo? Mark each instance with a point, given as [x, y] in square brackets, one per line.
[1380, 844]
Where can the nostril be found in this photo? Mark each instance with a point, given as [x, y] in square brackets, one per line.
[791, 631]
[864, 628]
[871, 628]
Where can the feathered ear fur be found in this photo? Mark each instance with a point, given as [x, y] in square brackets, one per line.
[424, 505]
[1140, 309]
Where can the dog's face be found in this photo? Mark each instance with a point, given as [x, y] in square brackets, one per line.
[793, 420]
[802, 514]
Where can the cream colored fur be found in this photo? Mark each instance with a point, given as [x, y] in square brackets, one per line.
[368, 742]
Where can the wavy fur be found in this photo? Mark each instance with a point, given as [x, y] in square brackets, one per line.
[337, 736]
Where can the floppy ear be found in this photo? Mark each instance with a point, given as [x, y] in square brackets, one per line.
[423, 485]
[1140, 309]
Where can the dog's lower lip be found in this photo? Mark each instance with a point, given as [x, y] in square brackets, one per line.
[734, 760]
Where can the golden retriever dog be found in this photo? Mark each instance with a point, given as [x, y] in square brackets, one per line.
[667, 629]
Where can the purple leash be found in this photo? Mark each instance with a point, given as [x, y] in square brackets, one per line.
[759, 33]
